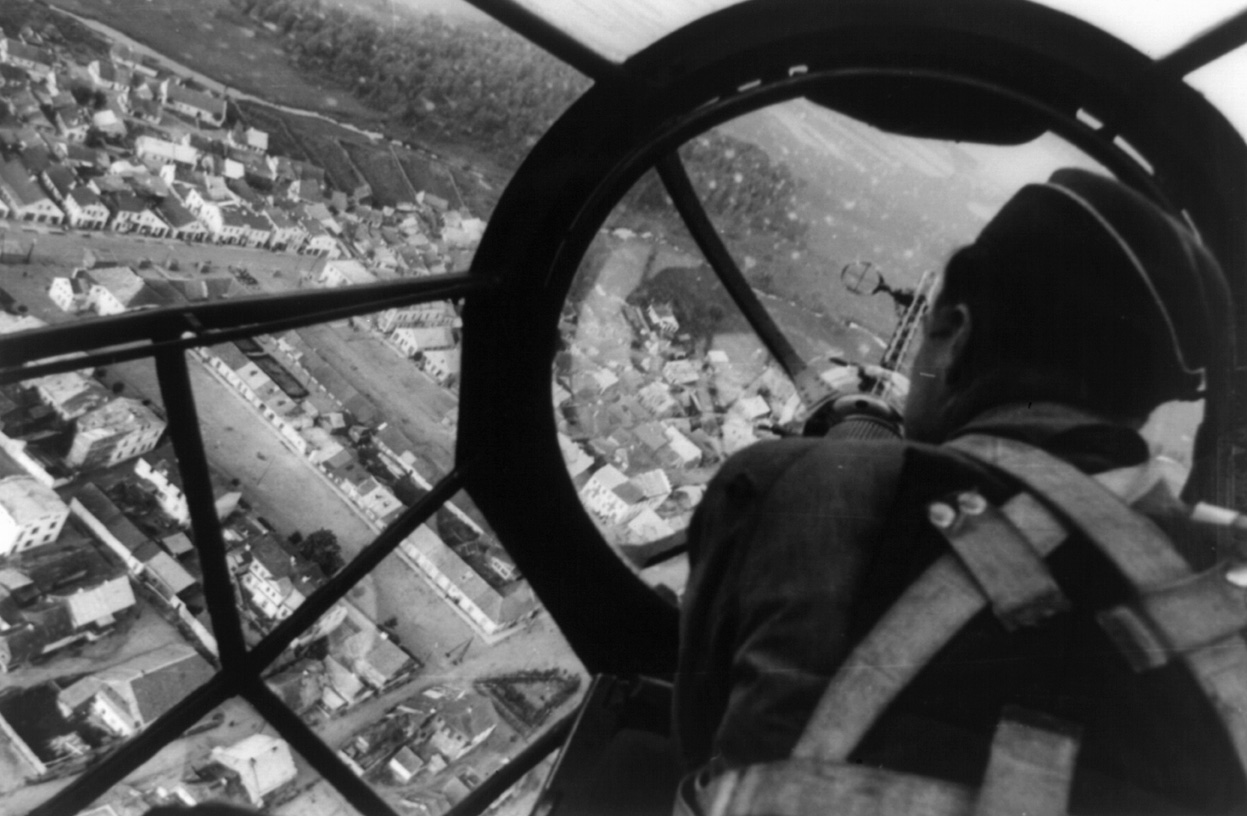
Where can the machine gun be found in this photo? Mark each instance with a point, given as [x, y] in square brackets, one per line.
[873, 409]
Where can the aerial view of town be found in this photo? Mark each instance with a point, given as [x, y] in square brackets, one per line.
[158, 153]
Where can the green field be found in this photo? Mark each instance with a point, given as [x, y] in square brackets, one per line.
[382, 172]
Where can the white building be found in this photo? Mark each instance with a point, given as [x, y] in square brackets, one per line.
[149, 147]
[683, 447]
[415, 339]
[654, 486]
[574, 456]
[754, 407]
[345, 272]
[38, 61]
[127, 697]
[657, 398]
[109, 75]
[263, 764]
[288, 234]
[610, 495]
[72, 294]
[252, 139]
[201, 106]
[490, 609]
[681, 372]
[114, 289]
[210, 214]
[30, 514]
[434, 313]
[648, 526]
[163, 475]
[275, 582]
[234, 226]
[71, 395]
[98, 605]
[441, 364]
[84, 209]
[117, 431]
[26, 200]
[737, 434]
[131, 214]
[319, 241]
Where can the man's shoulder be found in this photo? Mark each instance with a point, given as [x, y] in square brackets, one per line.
[817, 462]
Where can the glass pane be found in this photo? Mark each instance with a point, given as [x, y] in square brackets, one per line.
[1155, 27]
[67, 719]
[617, 31]
[840, 222]
[839, 229]
[101, 565]
[1222, 83]
[343, 412]
[231, 756]
[659, 378]
[436, 669]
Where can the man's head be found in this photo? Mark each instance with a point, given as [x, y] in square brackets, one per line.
[1080, 291]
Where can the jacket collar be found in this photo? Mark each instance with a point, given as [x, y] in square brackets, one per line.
[1065, 431]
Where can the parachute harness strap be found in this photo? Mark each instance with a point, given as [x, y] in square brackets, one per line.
[1197, 618]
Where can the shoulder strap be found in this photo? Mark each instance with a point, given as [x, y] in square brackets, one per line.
[1133, 543]
[1199, 619]
[926, 617]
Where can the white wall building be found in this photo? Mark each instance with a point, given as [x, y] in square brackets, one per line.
[415, 339]
[149, 147]
[84, 209]
[345, 272]
[441, 364]
[611, 496]
[30, 514]
[263, 764]
[120, 430]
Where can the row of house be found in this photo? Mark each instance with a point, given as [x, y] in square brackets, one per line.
[85, 193]
[491, 609]
[272, 201]
[303, 410]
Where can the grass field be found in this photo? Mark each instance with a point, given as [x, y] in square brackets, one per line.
[326, 152]
[281, 140]
[429, 176]
[382, 171]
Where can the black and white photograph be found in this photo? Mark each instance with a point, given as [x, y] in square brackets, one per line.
[623, 407]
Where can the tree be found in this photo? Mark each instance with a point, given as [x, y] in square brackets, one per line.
[322, 549]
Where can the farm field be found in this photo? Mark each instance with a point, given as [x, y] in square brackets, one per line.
[327, 153]
[281, 140]
[381, 170]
